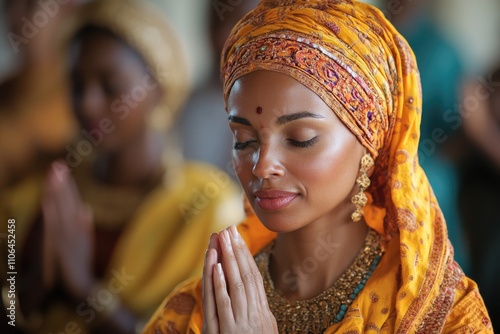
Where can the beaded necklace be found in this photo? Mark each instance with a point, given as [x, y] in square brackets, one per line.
[315, 315]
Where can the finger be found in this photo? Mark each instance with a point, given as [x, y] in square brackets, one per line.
[58, 189]
[51, 219]
[223, 301]
[214, 244]
[252, 279]
[49, 214]
[211, 322]
[69, 202]
[234, 279]
[72, 188]
[88, 235]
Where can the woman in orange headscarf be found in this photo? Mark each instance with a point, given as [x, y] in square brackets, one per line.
[324, 103]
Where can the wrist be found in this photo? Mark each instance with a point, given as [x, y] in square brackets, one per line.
[82, 289]
[103, 300]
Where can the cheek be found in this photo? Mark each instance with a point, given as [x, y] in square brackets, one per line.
[332, 171]
[138, 108]
[243, 167]
[237, 164]
[131, 124]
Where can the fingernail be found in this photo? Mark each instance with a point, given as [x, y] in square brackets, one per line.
[210, 239]
[208, 254]
[227, 237]
[220, 272]
[234, 231]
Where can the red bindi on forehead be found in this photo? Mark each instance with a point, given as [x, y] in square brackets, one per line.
[258, 110]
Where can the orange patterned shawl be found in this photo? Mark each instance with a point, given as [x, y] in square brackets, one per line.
[354, 59]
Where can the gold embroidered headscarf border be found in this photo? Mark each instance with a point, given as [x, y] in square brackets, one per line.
[326, 74]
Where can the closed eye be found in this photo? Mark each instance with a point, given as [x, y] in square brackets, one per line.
[242, 146]
[304, 144]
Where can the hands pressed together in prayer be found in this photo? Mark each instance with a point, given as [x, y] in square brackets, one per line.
[234, 299]
[68, 235]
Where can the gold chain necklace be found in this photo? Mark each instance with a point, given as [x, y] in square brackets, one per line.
[315, 315]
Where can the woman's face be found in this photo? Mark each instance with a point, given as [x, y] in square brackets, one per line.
[296, 161]
[112, 90]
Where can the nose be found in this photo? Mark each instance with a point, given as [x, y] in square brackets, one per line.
[90, 104]
[267, 163]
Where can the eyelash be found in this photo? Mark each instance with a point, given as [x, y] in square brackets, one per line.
[300, 144]
[241, 146]
[304, 144]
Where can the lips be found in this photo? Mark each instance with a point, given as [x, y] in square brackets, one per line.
[274, 199]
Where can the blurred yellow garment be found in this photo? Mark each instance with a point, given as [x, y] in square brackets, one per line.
[354, 59]
[162, 244]
[163, 235]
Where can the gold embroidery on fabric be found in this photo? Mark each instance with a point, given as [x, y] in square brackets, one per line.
[315, 315]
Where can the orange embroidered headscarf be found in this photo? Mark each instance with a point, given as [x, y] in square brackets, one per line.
[363, 69]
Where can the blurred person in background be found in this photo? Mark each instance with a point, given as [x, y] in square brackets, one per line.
[441, 74]
[35, 113]
[480, 184]
[204, 134]
[123, 218]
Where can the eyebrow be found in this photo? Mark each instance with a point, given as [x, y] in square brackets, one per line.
[241, 120]
[281, 120]
[292, 117]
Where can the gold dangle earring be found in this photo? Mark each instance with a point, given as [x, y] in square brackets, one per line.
[363, 182]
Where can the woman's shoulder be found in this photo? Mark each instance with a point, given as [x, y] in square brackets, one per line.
[204, 184]
[203, 172]
[197, 190]
[208, 190]
[180, 312]
[468, 314]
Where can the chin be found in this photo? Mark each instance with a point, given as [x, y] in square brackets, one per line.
[278, 222]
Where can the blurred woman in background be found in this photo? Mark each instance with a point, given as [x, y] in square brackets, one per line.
[124, 218]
